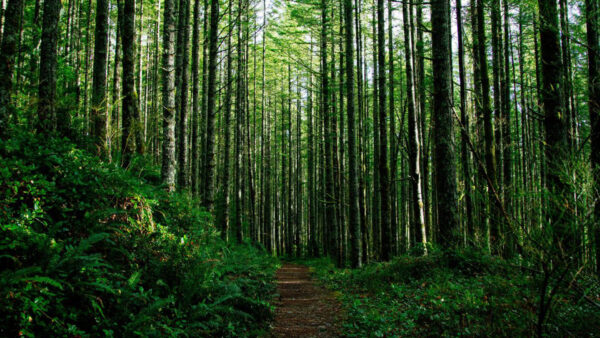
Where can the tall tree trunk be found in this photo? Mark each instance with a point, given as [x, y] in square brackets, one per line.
[168, 96]
[594, 107]
[340, 191]
[418, 215]
[506, 132]
[313, 249]
[298, 202]
[131, 112]
[8, 51]
[393, 139]
[73, 58]
[139, 62]
[35, 42]
[204, 102]
[566, 62]
[239, 113]
[183, 45]
[116, 81]
[361, 139]
[464, 118]
[222, 209]
[99, 106]
[498, 86]
[353, 214]
[325, 114]
[555, 124]
[376, 196]
[422, 111]
[195, 158]
[386, 231]
[156, 113]
[444, 153]
[209, 163]
[485, 114]
[46, 110]
[266, 156]
[288, 220]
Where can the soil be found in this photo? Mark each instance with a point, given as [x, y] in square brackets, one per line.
[304, 308]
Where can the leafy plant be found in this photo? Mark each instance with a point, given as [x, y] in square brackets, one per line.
[87, 248]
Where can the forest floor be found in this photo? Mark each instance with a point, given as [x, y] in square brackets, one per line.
[304, 308]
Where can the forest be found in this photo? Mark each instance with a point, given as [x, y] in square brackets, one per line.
[299, 168]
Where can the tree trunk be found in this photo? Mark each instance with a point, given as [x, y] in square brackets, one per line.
[594, 107]
[239, 113]
[464, 118]
[222, 209]
[386, 231]
[325, 114]
[99, 107]
[131, 112]
[444, 153]
[46, 109]
[195, 158]
[8, 51]
[209, 163]
[298, 202]
[418, 215]
[376, 197]
[168, 97]
[484, 113]
[353, 215]
[393, 139]
[183, 38]
[555, 124]
[496, 151]
[506, 134]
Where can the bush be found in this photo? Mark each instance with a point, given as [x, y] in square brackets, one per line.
[452, 294]
[87, 248]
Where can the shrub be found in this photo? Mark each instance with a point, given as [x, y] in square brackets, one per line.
[87, 248]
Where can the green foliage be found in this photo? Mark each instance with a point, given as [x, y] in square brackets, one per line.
[466, 293]
[87, 248]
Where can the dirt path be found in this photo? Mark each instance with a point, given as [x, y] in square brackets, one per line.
[304, 309]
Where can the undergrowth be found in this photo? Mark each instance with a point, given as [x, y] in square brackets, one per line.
[90, 249]
[466, 293]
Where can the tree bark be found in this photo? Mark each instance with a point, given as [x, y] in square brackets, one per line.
[183, 48]
[168, 97]
[222, 209]
[8, 51]
[209, 163]
[382, 166]
[99, 106]
[444, 153]
[418, 216]
[594, 108]
[239, 114]
[464, 118]
[393, 139]
[131, 112]
[325, 114]
[195, 158]
[46, 109]
[353, 215]
[555, 124]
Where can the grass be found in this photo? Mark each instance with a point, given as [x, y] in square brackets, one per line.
[464, 293]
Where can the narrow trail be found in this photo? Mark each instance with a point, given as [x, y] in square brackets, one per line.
[304, 309]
